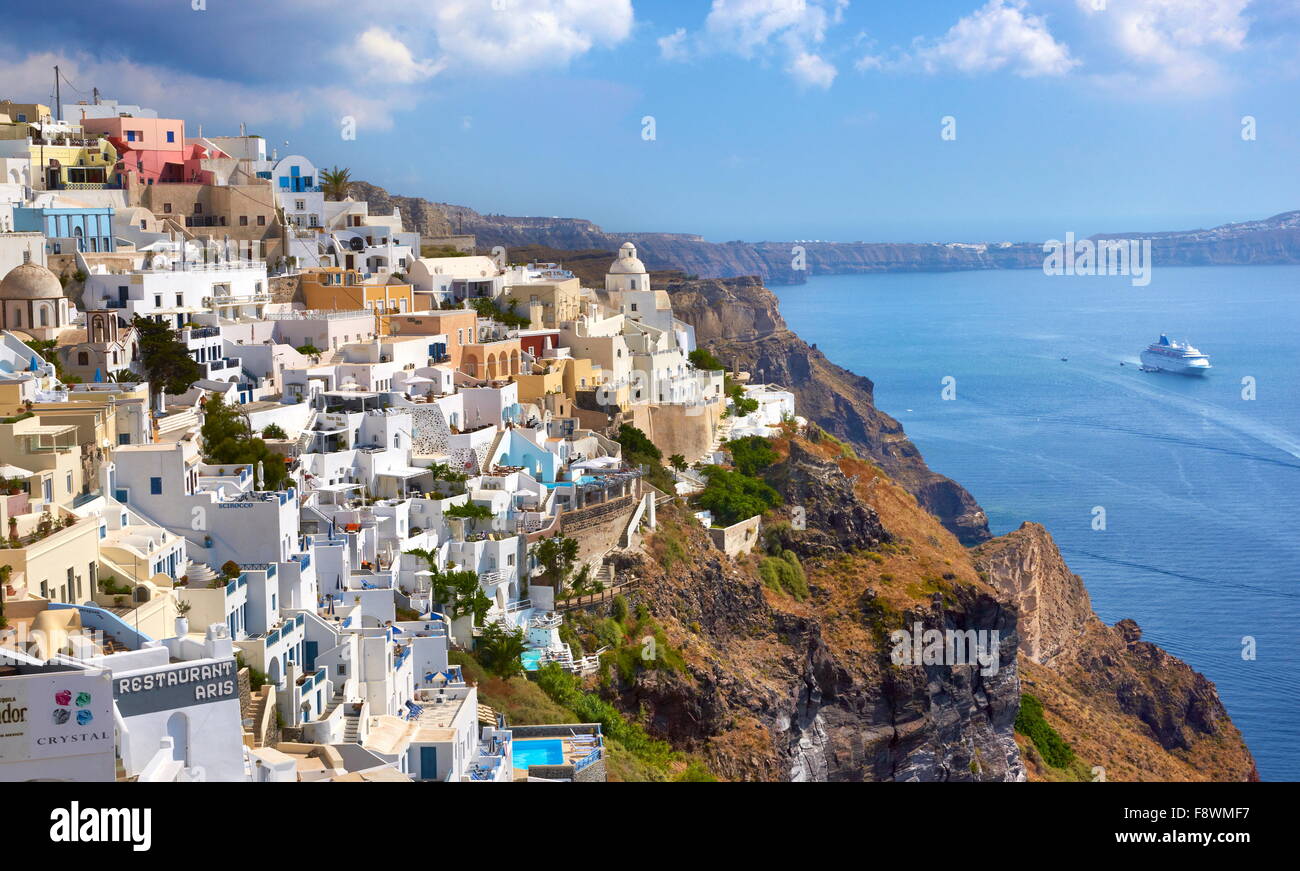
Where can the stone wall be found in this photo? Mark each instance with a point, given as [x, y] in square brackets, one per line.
[678, 429]
[597, 529]
[285, 288]
[737, 538]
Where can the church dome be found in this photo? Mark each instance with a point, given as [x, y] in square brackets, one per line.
[627, 262]
[30, 281]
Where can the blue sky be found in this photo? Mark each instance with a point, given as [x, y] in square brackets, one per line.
[774, 119]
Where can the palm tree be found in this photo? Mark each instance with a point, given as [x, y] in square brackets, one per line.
[335, 182]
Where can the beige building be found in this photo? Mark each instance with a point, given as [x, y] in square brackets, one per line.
[57, 556]
[560, 301]
[32, 302]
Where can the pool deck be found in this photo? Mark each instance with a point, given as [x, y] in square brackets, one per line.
[573, 754]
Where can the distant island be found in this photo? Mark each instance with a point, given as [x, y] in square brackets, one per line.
[1272, 241]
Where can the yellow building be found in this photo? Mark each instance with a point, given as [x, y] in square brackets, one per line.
[62, 156]
[333, 288]
[51, 454]
[57, 557]
[560, 300]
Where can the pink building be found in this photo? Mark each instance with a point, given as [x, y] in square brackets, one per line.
[151, 150]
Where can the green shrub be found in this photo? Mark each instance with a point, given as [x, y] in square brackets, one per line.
[1031, 723]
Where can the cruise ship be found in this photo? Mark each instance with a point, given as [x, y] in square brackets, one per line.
[1170, 356]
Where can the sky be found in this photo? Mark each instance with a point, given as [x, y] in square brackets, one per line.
[838, 120]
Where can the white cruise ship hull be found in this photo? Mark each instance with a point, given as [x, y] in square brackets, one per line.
[1176, 365]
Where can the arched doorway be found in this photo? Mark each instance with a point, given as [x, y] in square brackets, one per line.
[178, 729]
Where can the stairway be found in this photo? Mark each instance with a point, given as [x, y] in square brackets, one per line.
[200, 574]
[352, 727]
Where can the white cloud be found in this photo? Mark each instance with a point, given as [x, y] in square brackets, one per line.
[1178, 41]
[386, 56]
[811, 70]
[999, 35]
[511, 36]
[673, 47]
[175, 94]
[790, 30]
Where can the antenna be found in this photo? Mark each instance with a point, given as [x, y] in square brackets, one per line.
[58, 100]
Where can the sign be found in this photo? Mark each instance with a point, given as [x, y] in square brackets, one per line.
[55, 713]
[179, 686]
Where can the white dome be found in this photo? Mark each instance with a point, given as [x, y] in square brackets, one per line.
[627, 262]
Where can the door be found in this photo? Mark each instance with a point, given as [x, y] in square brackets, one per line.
[309, 654]
[429, 763]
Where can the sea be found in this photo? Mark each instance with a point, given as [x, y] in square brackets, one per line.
[1176, 498]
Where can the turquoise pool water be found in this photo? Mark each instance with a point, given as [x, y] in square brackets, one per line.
[584, 479]
[530, 659]
[538, 751]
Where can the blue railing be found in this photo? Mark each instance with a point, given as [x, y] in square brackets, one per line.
[107, 622]
[587, 760]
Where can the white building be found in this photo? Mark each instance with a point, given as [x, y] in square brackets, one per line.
[175, 291]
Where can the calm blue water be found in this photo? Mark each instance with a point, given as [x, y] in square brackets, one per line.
[538, 751]
[1201, 488]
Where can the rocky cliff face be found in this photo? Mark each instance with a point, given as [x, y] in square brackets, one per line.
[779, 689]
[1275, 240]
[1027, 568]
[739, 320]
[1123, 703]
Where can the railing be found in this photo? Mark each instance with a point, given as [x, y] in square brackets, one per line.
[591, 757]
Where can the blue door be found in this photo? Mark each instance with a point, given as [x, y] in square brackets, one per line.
[429, 763]
[310, 648]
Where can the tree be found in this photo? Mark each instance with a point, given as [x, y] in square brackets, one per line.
[458, 593]
[556, 555]
[309, 350]
[701, 358]
[751, 455]
[678, 461]
[636, 444]
[336, 182]
[164, 360]
[228, 440]
[732, 497]
[499, 650]
[274, 431]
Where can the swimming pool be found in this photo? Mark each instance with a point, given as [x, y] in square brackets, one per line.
[531, 659]
[582, 479]
[538, 751]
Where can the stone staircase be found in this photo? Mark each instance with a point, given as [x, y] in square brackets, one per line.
[200, 575]
[352, 727]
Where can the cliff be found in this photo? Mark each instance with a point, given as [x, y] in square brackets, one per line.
[1125, 703]
[772, 685]
[740, 322]
[1271, 241]
[777, 688]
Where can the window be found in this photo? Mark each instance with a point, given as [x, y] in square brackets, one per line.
[261, 220]
[83, 359]
[180, 300]
[243, 220]
[300, 205]
[171, 135]
[155, 486]
[157, 300]
[198, 208]
[69, 482]
[167, 208]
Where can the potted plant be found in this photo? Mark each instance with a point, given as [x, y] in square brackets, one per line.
[182, 618]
